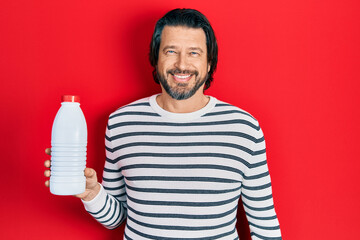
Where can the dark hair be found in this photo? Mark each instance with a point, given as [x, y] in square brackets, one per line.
[190, 18]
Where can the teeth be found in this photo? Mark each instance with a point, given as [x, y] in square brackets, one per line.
[183, 77]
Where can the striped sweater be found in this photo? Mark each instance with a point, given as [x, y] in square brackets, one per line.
[180, 175]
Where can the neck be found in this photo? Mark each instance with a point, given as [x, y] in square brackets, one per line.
[192, 104]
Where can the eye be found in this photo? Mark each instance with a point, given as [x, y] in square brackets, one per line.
[194, 54]
[170, 52]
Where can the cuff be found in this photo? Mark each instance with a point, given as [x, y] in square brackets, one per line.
[97, 203]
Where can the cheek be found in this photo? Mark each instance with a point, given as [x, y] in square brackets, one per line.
[203, 69]
[202, 66]
[163, 65]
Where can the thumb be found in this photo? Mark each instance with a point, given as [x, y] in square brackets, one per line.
[90, 173]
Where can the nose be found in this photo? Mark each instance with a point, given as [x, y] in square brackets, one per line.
[181, 62]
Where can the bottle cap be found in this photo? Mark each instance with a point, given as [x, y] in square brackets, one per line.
[70, 98]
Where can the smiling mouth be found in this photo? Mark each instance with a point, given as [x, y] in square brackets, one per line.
[182, 78]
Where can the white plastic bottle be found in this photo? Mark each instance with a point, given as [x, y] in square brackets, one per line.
[68, 148]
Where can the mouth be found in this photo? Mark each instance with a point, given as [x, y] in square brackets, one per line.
[182, 77]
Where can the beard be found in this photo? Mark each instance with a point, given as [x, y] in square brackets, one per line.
[180, 91]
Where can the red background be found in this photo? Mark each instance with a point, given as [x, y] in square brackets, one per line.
[293, 64]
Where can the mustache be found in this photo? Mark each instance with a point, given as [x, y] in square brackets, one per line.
[178, 71]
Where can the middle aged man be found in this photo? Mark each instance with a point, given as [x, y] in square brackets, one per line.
[178, 162]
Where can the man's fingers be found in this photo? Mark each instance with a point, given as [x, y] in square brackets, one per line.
[90, 173]
[48, 151]
[47, 173]
[47, 163]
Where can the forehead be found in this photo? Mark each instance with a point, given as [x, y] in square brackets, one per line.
[182, 36]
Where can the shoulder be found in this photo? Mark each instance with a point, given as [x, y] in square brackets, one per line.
[133, 105]
[227, 110]
[139, 107]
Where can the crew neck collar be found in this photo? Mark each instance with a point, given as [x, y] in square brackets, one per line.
[182, 116]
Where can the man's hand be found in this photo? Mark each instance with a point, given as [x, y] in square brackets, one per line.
[92, 185]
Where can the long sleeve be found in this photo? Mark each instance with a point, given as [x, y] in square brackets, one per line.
[257, 195]
[109, 206]
[184, 173]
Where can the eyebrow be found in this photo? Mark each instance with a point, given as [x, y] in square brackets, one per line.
[196, 49]
[168, 47]
[174, 47]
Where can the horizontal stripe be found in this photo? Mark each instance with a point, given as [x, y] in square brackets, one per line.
[180, 124]
[117, 221]
[181, 179]
[114, 188]
[108, 149]
[258, 164]
[111, 170]
[107, 212]
[183, 204]
[127, 237]
[257, 198]
[112, 227]
[119, 195]
[182, 191]
[265, 238]
[102, 209]
[134, 113]
[120, 217]
[178, 238]
[146, 104]
[180, 155]
[258, 208]
[227, 112]
[182, 166]
[184, 228]
[113, 179]
[261, 218]
[264, 227]
[113, 214]
[255, 188]
[186, 134]
[138, 104]
[256, 176]
[185, 144]
[259, 152]
[184, 216]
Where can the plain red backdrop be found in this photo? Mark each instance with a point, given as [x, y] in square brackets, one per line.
[293, 64]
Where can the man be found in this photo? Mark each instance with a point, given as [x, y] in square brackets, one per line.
[177, 162]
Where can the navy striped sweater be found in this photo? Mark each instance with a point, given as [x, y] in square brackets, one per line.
[180, 175]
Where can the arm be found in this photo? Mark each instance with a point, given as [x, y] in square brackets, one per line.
[257, 195]
[106, 203]
[109, 206]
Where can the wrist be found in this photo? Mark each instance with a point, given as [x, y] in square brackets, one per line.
[92, 193]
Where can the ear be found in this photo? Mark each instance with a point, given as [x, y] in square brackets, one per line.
[209, 66]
